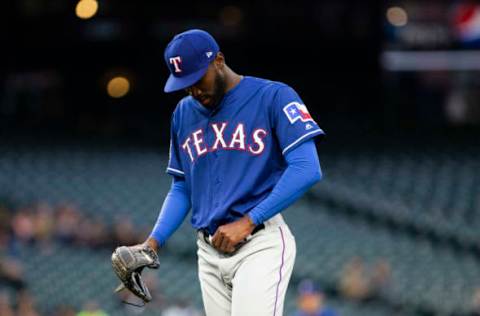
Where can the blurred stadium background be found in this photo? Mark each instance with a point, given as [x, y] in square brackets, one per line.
[393, 228]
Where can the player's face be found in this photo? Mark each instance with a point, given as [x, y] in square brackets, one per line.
[209, 90]
[310, 303]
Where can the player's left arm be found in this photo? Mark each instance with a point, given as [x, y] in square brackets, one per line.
[294, 130]
[302, 172]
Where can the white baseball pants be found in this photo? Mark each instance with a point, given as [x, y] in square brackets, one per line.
[253, 281]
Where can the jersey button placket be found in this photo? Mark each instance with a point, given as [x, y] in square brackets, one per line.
[217, 177]
[217, 187]
[215, 174]
[211, 164]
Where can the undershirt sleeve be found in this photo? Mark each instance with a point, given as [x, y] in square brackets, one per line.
[302, 172]
[174, 210]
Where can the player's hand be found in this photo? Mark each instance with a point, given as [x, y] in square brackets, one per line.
[152, 243]
[228, 236]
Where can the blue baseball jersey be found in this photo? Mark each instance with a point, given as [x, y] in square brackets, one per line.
[231, 157]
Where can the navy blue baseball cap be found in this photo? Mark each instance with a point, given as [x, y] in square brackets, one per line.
[187, 56]
[308, 286]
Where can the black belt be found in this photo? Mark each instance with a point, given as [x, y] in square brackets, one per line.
[206, 234]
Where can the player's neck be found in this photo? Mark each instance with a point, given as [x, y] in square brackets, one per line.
[231, 79]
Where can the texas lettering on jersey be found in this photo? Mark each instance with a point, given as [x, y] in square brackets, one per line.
[195, 144]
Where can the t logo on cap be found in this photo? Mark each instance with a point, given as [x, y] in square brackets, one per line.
[176, 61]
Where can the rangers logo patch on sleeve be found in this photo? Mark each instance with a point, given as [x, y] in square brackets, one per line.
[296, 111]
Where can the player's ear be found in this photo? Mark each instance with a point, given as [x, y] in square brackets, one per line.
[219, 60]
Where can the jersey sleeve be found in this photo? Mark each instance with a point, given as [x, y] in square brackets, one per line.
[292, 122]
[174, 166]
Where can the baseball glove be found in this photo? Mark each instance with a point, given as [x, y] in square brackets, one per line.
[128, 263]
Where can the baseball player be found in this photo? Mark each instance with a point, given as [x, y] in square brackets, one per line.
[241, 151]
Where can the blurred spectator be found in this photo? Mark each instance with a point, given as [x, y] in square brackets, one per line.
[4, 242]
[380, 279]
[44, 225]
[25, 304]
[475, 304]
[99, 233]
[181, 308]
[92, 309]
[11, 272]
[357, 284]
[4, 217]
[7, 244]
[124, 232]
[91, 232]
[65, 310]
[22, 226]
[5, 306]
[311, 301]
[68, 220]
[354, 282]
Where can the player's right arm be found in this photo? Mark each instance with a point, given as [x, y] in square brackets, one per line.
[177, 202]
[174, 210]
